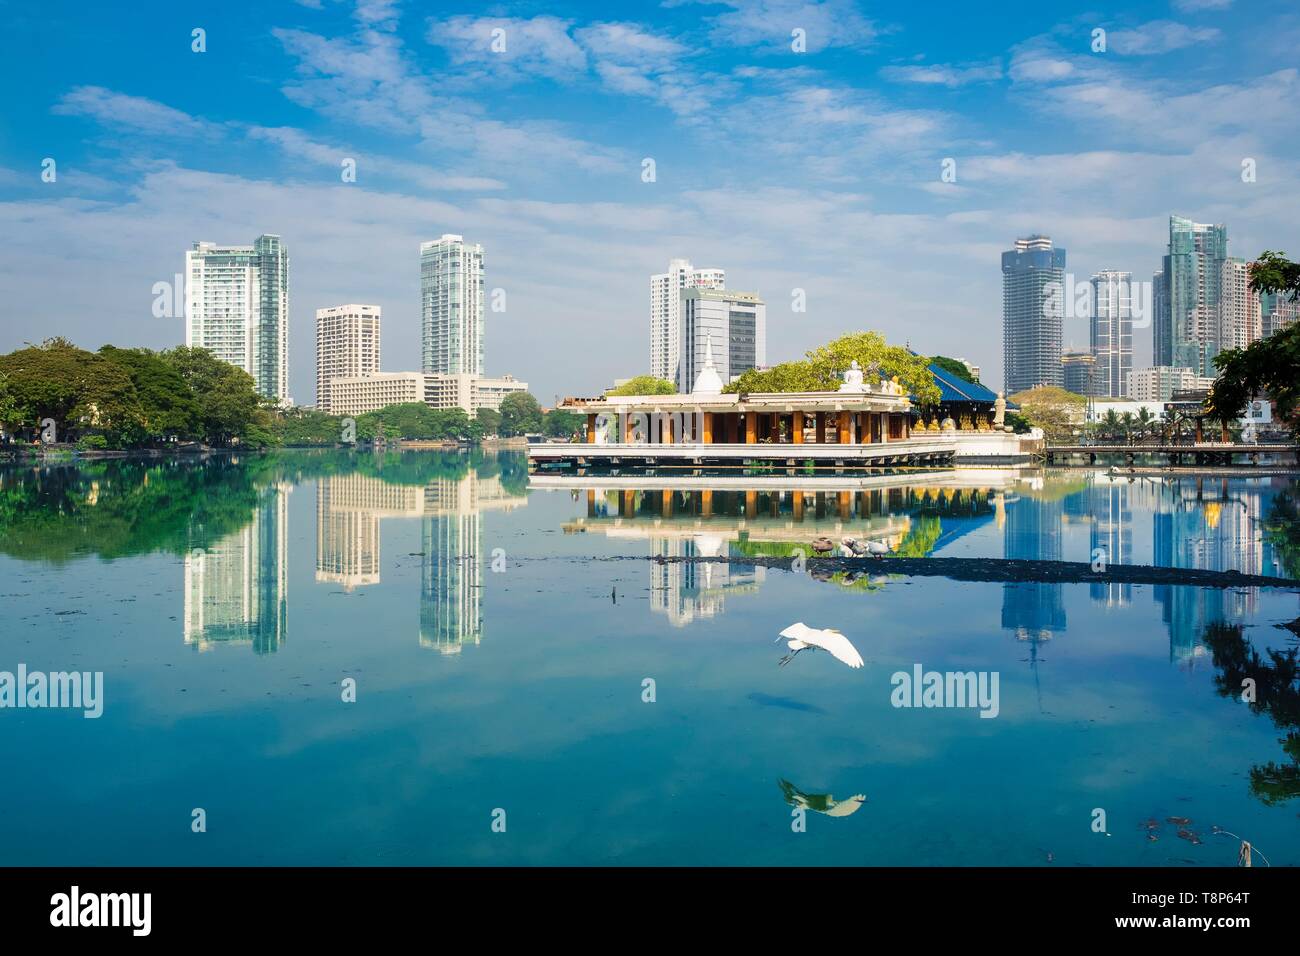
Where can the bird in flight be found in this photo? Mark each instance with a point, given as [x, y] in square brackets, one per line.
[801, 637]
[821, 802]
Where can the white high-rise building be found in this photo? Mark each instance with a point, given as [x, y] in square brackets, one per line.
[1159, 382]
[347, 345]
[732, 324]
[451, 306]
[237, 307]
[1276, 313]
[1239, 308]
[665, 313]
[1111, 329]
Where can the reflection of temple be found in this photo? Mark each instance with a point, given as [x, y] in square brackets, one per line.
[451, 609]
[236, 588]
[1214, 525]
[1032, 532]
[348, 510]
[719, 517]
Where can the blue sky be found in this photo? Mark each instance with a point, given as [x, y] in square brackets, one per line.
[817, 170]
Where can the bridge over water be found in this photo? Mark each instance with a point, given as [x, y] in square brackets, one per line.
[1199, 453]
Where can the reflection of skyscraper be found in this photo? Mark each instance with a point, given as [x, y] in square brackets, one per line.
[686, 592]
[1111, 539]
[1206, 525]
[451, 608]
[1032, 610]
[348, 509]
[236, 588]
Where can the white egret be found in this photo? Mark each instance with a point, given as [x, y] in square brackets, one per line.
[801, 637]
[821, 802]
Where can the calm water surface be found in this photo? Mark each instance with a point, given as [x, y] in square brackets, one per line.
[500, 655]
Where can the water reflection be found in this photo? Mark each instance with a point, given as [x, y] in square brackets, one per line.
[228, 520]
[419, 531]
[236, 587]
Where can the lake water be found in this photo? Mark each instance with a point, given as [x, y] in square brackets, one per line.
[501, 659]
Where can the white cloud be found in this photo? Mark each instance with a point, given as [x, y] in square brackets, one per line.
[1196, 6]
[940, 74]
[540, 46]
[1159, 36]
[768, 24]
[133, 113]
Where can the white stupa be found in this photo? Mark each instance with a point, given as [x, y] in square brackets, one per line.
[708, 382]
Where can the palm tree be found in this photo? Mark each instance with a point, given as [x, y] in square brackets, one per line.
[1111, 424]
[1145, 421]
[1126, 422]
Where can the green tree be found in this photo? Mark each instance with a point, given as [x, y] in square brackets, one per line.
[81, 391]
[1268, 366]
[167, 406]
[824, 368]
[489, 419]
[308, 426]
[954, 367]
[644, 385]
[1057, 412]
[520, 414]
[230, 409]
[562, 424]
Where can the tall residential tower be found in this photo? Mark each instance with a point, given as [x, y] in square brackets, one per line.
[1033, 313]
[451, 307]
[1111, 328]
[1187, 331]
[347, 346]
[666, 316]
[237, 307]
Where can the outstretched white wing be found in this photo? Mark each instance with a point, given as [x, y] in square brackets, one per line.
[799, 632]
[845, 808]
[828, 640]
[837, 644]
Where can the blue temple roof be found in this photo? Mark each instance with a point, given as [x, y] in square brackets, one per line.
[954, 389]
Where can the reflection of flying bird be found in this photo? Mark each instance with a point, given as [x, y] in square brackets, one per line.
[802, 637]
[821, 802]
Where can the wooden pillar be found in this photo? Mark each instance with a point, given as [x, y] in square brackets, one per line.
[1200, 431]
[796, 428]
[666, 503]
[844, 428]
[666, 429]
[591, 502]
[846, 505]
[774, 423]
[591, 429]
[706, 502]
[884, 427]
[627, 504]
[707, 438]
[1223, 432]
[798, 506]
[751, 504]
[820, 434]
[751, 428]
